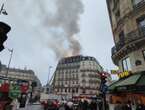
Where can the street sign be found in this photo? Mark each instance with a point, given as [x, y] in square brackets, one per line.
[14, 91]
[124, 74]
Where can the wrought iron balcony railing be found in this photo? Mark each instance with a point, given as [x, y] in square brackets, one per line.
[130, 37]
[139, 5]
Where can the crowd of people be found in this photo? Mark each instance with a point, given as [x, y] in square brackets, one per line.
[7, 103]
[94, 105]
[129, 106]
[72, 105]
[82, 104]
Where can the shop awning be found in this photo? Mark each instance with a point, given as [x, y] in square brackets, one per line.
[132, 83]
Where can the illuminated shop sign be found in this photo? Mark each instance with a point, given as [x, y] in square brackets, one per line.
[124, 74]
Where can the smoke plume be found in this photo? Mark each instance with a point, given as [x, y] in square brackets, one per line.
[55, 22]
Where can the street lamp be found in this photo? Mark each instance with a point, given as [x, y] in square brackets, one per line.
[2, 10]
[48, 82]
[50, 67]
[11, 51]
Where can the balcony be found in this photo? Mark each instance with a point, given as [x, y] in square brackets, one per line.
[139, 5]
[131, 42]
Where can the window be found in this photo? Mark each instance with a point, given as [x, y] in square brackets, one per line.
[144, 54]
[76, 90]
[141, 24]
[65, 90]
[126, 64]
[141, 21]
[83, 75]
[121, 36]
[84, 91]
[117, 15]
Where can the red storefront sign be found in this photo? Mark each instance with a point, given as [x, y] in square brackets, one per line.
[4, 87]
[24, 88]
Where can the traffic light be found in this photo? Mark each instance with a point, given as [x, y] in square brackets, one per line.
[34, 84]
[4, 29]
[103, 86]
[103, 78]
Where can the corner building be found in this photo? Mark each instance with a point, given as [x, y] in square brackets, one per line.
[127, 19]
[77, 76]
[128, 26]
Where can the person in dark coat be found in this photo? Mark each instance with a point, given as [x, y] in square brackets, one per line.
[80, 106]
[93, 105]
[128, 106]
[140, 105]
[22, 101]
[66, 107]
[119, 106]
[85, 105]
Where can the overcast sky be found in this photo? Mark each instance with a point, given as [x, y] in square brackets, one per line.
[33, 40]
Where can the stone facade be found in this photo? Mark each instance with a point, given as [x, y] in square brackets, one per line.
[76, 76]
[135, 56]
[19, 74]
[127, 19]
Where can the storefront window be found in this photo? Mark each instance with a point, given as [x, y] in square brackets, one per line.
[126, 64]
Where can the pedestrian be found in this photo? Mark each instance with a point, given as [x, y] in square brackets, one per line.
[15, 104]
[85, 105]
[107, 106]
[140, 105]
[118, 106]
[80, 106]
[45, 104]
[128, 105]
[66, 106]
[8, 105]
[55, 104]
[22, 101]
[100, 104]
[93, 105]
[70, 105]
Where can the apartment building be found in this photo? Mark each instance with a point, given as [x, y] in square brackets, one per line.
[127, 19]
[77, 76]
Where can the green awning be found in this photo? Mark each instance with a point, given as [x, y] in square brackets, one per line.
[141, 80]
[136, 79]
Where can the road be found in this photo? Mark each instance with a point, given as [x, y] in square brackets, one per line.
[32, 107]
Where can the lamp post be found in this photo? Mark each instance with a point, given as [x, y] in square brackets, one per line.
[2, 10]
[50, 67]
[10, 50]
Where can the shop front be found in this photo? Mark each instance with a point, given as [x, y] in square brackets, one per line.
[11, 89]
[129, 89]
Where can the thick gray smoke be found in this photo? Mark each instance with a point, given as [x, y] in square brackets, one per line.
[67, 17]
[55, 22]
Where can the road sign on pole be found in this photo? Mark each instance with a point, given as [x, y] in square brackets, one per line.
[14, 91]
